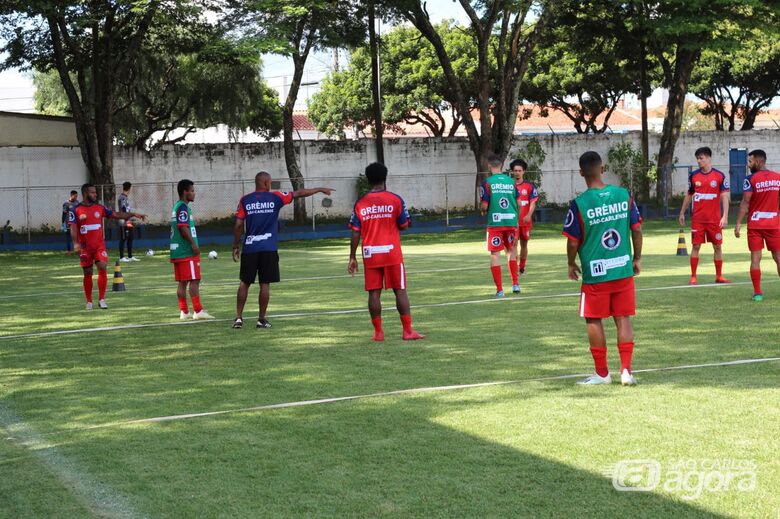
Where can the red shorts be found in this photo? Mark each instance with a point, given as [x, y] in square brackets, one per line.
[706, 232]
[391, 276]
[498, 240]
[187, 269]
[757, 238]
[524, 232]
[89, 257]
[609, 299]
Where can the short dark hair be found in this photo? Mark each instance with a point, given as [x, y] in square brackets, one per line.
[589, 161]
[376, 173]
[518, 162]
[494, 160]
[704, 150]
[759, 154]
[74, 192]
[86, 186]
[126, 186]
[183, 185]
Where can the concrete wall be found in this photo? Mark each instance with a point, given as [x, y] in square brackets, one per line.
[224, 172]
[18, 129]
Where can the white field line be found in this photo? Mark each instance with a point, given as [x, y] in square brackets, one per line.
[100, 499]
[402, 392]
[344, 312]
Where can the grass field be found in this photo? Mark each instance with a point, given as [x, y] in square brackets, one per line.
[75, 442]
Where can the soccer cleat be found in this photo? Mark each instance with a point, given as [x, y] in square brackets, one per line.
[627, 379]
[102, 304]
[124, 259]
[693, 281]
[412, 336]
[515, 289]
[133, 258]
[202, 315]
[721, 279]
[595, 380]
[499, 294]
[378, 336]
[238, 323]
[758, 297]
[89, 305]
[262, 323]
[184, 315]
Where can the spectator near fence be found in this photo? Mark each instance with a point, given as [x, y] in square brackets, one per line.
[126, 227]
[67, 207]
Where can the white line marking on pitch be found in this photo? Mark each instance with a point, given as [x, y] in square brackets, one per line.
[303, 403]
[343, 312]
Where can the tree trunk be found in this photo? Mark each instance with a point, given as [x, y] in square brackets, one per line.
[293, 171]
[678, 88]
[375, 94]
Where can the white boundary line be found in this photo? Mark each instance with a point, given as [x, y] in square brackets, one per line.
[401, 392]
[344, 312]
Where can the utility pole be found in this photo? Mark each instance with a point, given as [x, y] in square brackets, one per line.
[373, 39]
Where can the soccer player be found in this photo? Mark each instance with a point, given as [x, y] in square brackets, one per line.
[500, 201]
[377, 221]
[528, 197]
[86, 229]
[126, 226]
[761, 199]
[257, 218]
[67, 207]
[709, 190]
[185, 253]
[601, 224]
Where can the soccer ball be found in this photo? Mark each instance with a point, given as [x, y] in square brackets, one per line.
[150, 252]
[213, 254]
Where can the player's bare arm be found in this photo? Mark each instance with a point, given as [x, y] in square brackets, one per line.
[187, 235]
[74, 236]
[572, 246]
[483, 208]
[531, 208]
[636, 239]
[684, 208]
[724, 201]
[121, 215]
[743, 211]
[238, 230]
[352, 265]
[303, 193]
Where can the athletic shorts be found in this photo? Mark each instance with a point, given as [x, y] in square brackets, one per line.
[88, 257]
[263, 265]
[392, 276]
[498, 240]
[757, 237]
[608, 299]
[706, 232]
[524, 232]
[187, 269]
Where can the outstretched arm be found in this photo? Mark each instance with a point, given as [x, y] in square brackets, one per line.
[303, 193]
[121, 215]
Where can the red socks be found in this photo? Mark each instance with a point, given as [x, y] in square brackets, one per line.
[406, 323]
[513, 271]
[102, 283]
[625, 349]
[183, 305]
[522, 263]
[496, 271]
[694, 265]
[379, 335]
[755, 276]
[718, 268]
[600, 360]
[196, 306]
[88, 287]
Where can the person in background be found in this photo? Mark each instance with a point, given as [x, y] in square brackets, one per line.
[67, 207]
[126, 227]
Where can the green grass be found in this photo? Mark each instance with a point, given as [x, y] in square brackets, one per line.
[530, 449]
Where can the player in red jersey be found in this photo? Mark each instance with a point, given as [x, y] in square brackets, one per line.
[527, 202]
[760, 199]
[709, 190]
[86, 229]
[377, 220]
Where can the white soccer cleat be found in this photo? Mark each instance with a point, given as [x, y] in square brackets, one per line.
[134, 259]
[627, 379]
[124, 259]
[102, 304]
[89, 306]
[202, 315]
[595, 380]
[184, 315]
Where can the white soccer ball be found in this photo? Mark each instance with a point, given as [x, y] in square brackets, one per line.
[213, 254]
[150, 252]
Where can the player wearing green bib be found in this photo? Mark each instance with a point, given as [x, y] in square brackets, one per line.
[185, 253]
[500, 205]
[599, 225]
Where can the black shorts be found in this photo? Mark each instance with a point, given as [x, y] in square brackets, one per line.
[264, 265]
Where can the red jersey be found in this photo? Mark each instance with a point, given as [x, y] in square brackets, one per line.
[764, 203]
[379, 217]
[528, 194]
[88, 219]
[706, 189]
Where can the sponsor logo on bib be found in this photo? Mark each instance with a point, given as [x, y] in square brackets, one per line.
[610, 240]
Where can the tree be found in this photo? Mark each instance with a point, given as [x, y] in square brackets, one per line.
[294, 28]
[739, 84]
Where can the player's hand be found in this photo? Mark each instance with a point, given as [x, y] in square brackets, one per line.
[574, 272]
[352, 266]
[236, 253]
[681, 220]
[736, 230]
[724, 222]
[76, 248]
[327, 190]
[527, 218]
[141, 216]
[637, 266]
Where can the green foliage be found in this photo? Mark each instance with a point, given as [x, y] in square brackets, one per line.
[534, 155]
[362, 186]
[625, 161]
[49, 97]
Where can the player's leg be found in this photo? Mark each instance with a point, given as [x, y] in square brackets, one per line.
[625, 333]
[247, 274]
[262, 300]
[776, 257]
[717, 247]
[241, 295]
[755, 273]
[122, 234]
[375, 311]
[181, 295]
[695, 250]
[512, 261]
[523, 251]
[68, 241]
[102, 283]
[129, 235]
[598, 350]
[193, 264]
[268, 272]
[395, 278]
[495, 244]
[87, 284]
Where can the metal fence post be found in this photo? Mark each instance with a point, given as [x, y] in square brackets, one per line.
[27, 213]
[313, 216]
[446, 203]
